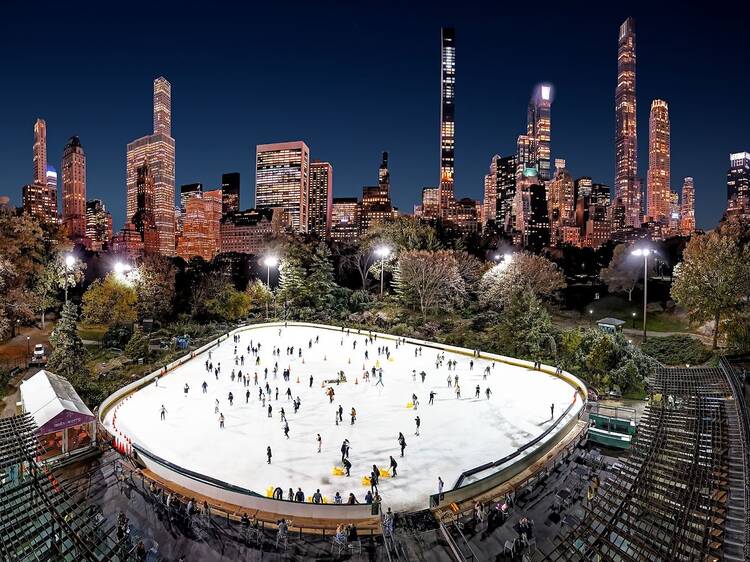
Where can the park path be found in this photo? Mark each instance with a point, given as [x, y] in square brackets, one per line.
[13, 353]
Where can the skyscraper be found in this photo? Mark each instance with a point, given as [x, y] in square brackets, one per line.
[143, 218]
[321, 199]
[201, 226]
[188, 190]
[627, 187]
[230, 193]
[738, 184]
[525, 155]
[74, 189]
[561, 202]
[447, 119]
[687, 208]
[345, 220]
[98, 224]
[282, 180]
[376, 200]
[657, 184]
[489, 203]
[538, 128]
[158, 152]
[40, 152]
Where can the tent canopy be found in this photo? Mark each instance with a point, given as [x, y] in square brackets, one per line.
[53, 403]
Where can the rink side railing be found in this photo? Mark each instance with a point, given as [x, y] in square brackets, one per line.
[251, 499]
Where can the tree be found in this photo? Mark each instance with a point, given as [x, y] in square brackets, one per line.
[624, 271]
[137, 346]
[110, 301]
[402, 234]
[428, 280]
[471, 270]
[260, 295]
[155, 287]
[524, 272]
[56, 275]
[713, 279]
[306, 280]
[525, 327]
[229, 304]
[68, 357]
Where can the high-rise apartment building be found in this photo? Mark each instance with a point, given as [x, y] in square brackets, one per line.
[74, 189]
[248, 231]
[447, 120]
[201, 228]
[539, 129]
[40, 152]
[536, 234]
[321, 199]
[687, 207]
[430, 208]
[525, 156]
[489, 202]
[376, 205]
[230, 191]
[40, 196]
[658, 180]
[505, 169]
[561, 202]
[187, 191]
[282, 181]
[627, 187]
[345, 220]
[98, 225]
[143, 219]
[158, 152]
[738, 184]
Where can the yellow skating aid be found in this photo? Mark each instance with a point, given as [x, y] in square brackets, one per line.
[337, 471]
[391, 359]
[366, 481]
[269, 492]
[384, 473]
[410, 404]
[377, 364]
[325, 499]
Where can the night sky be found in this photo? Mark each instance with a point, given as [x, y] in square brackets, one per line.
[354, 78]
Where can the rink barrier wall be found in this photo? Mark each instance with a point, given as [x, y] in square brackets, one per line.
[242, 497]
[465, 492]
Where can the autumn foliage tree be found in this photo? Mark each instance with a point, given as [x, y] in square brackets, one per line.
[523, 272]
[429, 281]
[109, 301]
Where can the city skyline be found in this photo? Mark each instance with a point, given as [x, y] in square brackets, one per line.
[587, 146]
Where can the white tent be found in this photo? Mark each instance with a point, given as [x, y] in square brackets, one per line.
[53, 403]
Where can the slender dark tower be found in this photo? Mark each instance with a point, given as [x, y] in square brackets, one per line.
[447, 119]
[627, 186]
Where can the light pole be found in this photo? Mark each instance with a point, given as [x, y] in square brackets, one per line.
[645, 253]
[383, 252]
[269, 262]
[28, 351]
[69, 263]
[634, 320]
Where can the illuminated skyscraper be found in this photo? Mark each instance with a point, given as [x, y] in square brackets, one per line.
[230, 192]
[738, 184]
[376, 200]
[74, 189]
[657, 185]
[321, 199]
[201, 234]
[143, 218]
[560, 202]
[40, 152]
[447, 119]
[430, 202]
[687, 208]
[282, 181]
[489, 203]
[158, 152]
[538, 128]
[98, 224]
[525, 158]
[187, 191]
[345, 220]
[627, 188]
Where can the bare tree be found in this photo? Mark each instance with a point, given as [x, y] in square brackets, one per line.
[429, 280]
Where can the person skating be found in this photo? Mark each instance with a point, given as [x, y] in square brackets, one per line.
[205, 387]
[450, 381]
[476, 392]
[353, 415]
[268, 454]
[402, 442]
[344, 449]
[221, 421]
[552, 411]
[216, 406]
[299, 496]
[347, 466]
[163, 412]
[352, 500]
[432, 397]
[283, 414]
[423, 375]
[231, 398]
[270, 411]
[337, 499]
[393, 467]
[317, 496]
[341, 413]
[186, 389]
[458, 391]
[247, 396]
[440, 488]
[319, 439]
[414, 401]
[488, 392]
[418, 422]
[286, 429]
[368, 497]
[311, 381]
[290, 495]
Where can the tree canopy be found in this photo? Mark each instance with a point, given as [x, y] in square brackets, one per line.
[110, 301]
[523, 272]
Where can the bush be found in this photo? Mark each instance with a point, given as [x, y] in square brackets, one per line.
[676, 350]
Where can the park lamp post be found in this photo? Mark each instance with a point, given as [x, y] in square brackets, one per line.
[269, 262]
[125, 273]
[28, 351]
[645, 252]
[383, 252]
[634, 320]
[70, 261]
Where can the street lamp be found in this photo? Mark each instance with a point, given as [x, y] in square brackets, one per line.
[591, 316]
[645, 252]
[269, 262]
[28, 350]
[383, 252]
[70, 261]
[634, 320]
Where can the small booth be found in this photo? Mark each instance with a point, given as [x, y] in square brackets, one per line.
[610, 325]
[65, 425]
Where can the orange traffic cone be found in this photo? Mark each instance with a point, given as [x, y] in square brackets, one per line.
[356, 381]
[297, 380]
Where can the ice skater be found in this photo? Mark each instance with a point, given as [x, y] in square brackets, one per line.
[311, 381]
[319, 439]
[186, 389]
[341, 414]
[286, 429]
[163, 412]
[393, 466]
[344, 450]
[488, 392]
[268, 454]
[418, 422]
[270, 411]
[205, 387]
[216, 406]
[231, 398]
[476, 392]
[414, 401]
[440, 488]
[353, 415]
[432, 397]
[247, 396]
[221, 421]
[458, 392]
[402, 442]
[450, 381]
[347, 466]
[283, 414]
[552, 411]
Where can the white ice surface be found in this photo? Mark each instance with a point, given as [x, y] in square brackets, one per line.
[456, 434]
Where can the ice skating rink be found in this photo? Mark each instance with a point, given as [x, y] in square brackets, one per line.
[455, 434]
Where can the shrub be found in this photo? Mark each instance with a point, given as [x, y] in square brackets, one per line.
[676, 350]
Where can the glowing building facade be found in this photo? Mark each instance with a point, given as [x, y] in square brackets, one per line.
[447, 120]
[321, 199]
[658, 180]
[345, 220]
[201, 234]
[158, 152]
[627, 187]
[74, 189]
[738, 184]
[376, 205]
[98, 225]
[40, 196]
[282, 181]
[687, 207]
[539, 129]
[230, 192]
